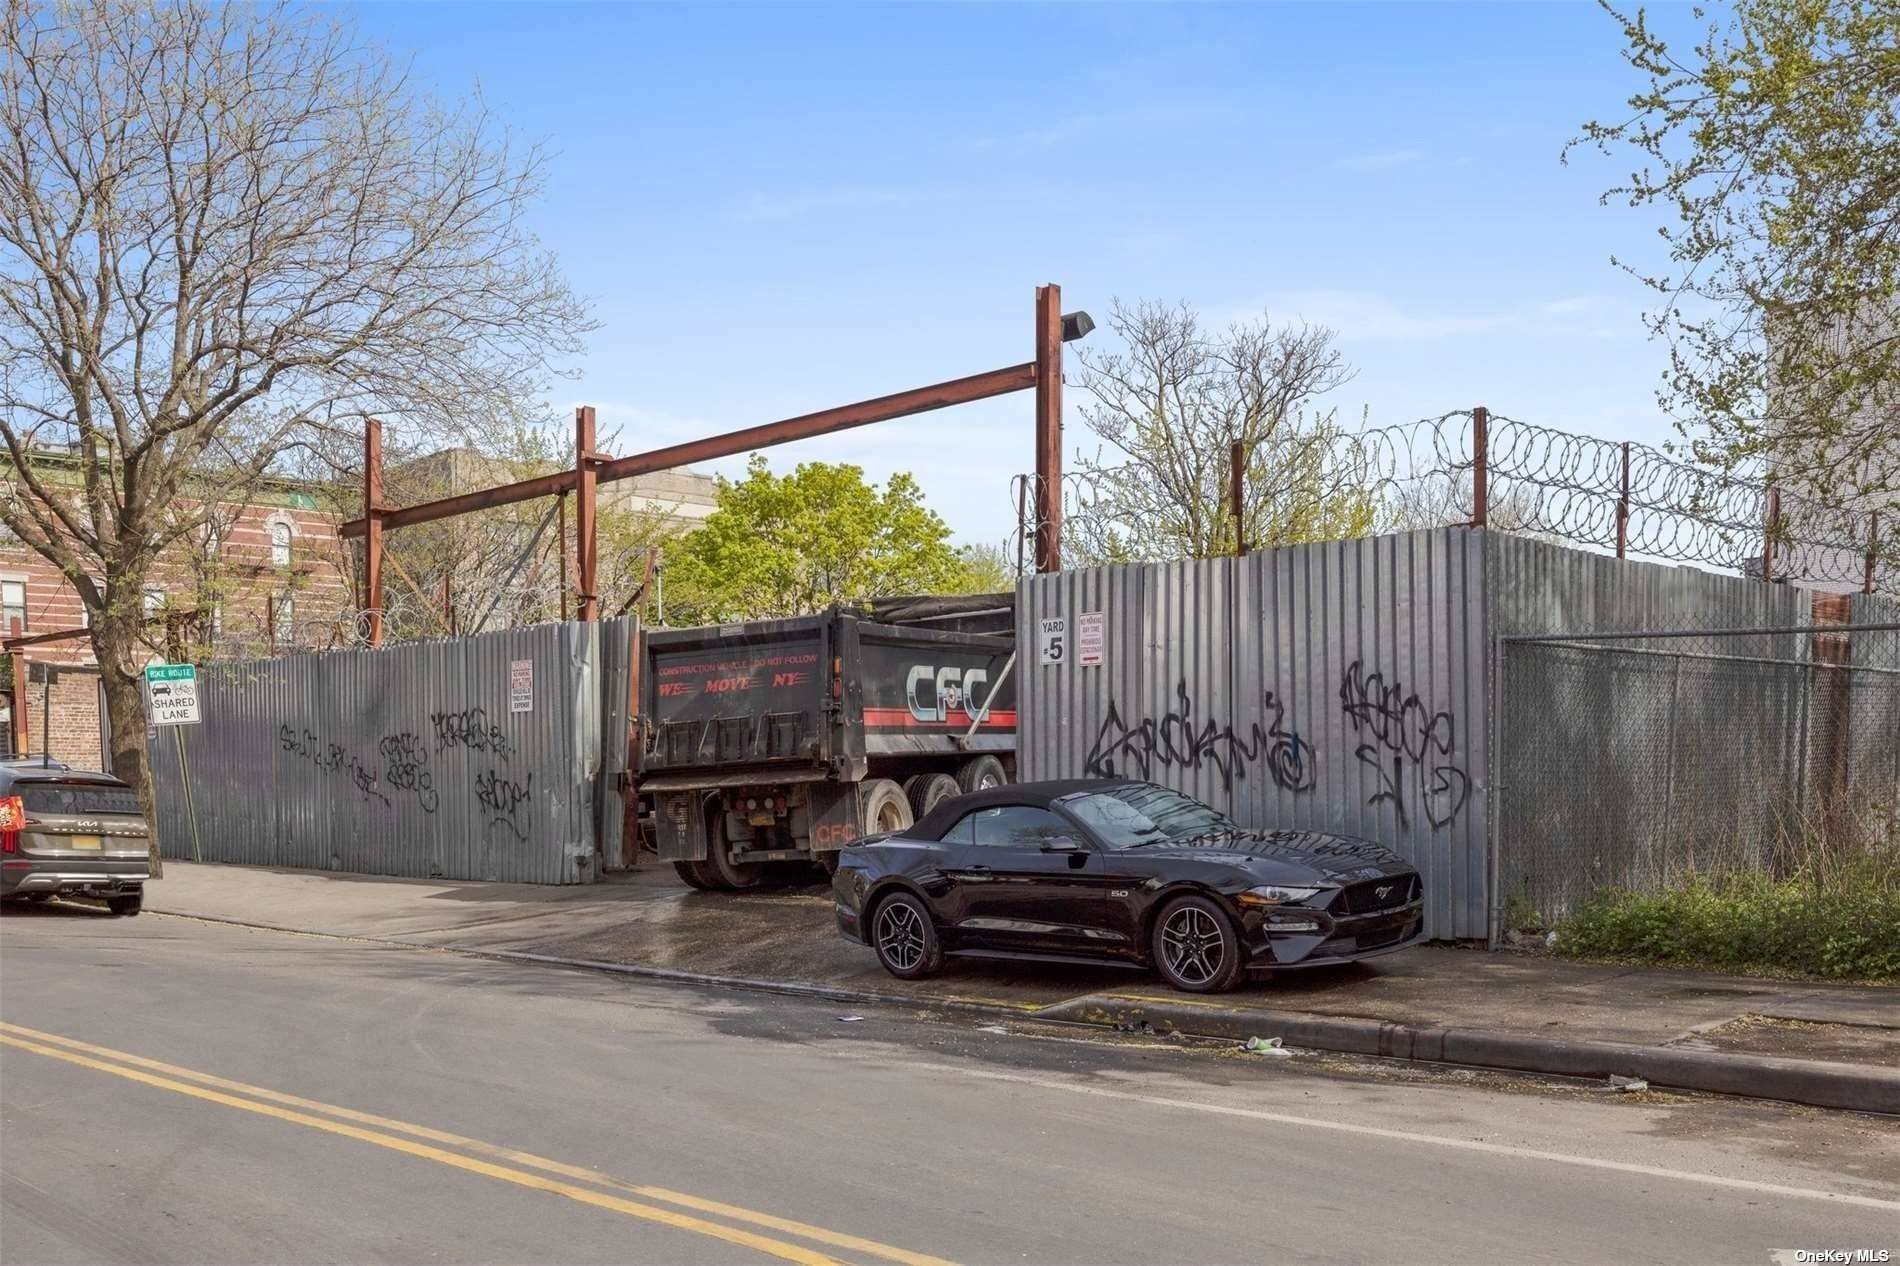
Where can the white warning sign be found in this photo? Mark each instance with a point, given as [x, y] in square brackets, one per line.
[1088, 640]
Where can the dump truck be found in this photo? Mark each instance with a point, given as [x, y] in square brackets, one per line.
[778, 742]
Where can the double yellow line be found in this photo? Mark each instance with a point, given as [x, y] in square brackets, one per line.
[524, 1169]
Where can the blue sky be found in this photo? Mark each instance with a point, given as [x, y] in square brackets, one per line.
[784, 207]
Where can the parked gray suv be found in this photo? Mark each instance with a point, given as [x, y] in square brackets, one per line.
[72, 831]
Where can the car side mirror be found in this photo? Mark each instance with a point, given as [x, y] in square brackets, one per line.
[1062, 844]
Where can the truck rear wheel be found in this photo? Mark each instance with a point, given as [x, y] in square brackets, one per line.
[728, 874]
[886, 807]
[926, 791]
[981, 773]
[694, 875]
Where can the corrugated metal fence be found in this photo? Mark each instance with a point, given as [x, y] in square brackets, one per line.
[1348, 687]
[1336, 687]
[472, 758]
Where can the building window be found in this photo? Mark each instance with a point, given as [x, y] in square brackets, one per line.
[279, 543]
[13, 606]
[154, 602]
[283, 611]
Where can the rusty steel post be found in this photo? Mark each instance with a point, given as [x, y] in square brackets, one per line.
[372, 528]
[20, 735]
[1623, 507]
[1480, 465]
[560, 547]
[1048, 428]
[1768, 535]
[586, 549]
[1873, 551]
[270, 621]
[1236, 498]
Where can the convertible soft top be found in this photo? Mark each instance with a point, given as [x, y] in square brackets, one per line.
[1040, 795]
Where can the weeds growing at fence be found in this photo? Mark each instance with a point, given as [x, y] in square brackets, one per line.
[1828, 906]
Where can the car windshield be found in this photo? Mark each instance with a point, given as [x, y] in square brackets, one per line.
[1137, 814]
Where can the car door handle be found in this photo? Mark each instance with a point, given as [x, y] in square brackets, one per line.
[978, 870]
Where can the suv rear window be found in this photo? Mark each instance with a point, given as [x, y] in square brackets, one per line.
[78, 798]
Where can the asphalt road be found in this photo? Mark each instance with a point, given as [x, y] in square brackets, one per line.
[179, 1091]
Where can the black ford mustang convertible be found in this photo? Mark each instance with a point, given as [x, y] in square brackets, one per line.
[1121, 872]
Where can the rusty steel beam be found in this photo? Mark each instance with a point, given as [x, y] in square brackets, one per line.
[373, 524]
[1048, 380]
[996, 382]
[35, 639]
[481, 499]
[586, 552]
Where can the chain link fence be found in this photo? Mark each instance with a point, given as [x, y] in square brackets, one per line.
[1638, 760]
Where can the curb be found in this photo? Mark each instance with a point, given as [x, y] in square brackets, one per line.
[1816, 1083]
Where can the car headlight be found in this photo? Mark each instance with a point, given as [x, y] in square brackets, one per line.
[1276, 895]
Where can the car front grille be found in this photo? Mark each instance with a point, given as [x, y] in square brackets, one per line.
[1375, 895]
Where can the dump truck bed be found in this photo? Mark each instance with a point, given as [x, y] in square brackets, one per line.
[819, 696]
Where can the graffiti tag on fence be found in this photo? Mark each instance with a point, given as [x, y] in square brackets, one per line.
[1407, 744]
[1174, 740]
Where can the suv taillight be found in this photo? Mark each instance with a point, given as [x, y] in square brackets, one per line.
[12, 819]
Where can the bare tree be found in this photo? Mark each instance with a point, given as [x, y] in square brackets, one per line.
[226, 235]
[1446, 498]
[1174, 400]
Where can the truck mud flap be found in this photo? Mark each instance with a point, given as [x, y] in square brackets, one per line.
[679, 825]
[835, 817]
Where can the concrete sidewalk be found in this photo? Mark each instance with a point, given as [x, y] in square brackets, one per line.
[1403, 1005]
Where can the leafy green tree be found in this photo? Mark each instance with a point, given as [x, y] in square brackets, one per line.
[1774, 146]
[983, 569]
[783, 545]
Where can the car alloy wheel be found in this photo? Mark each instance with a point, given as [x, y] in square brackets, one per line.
[1197, 947]
[1192, 942]
[901, 936]
[904, 937]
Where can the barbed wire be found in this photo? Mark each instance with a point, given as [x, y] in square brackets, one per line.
[1540, 481]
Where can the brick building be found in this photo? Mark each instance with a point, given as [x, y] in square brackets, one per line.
[260, 578]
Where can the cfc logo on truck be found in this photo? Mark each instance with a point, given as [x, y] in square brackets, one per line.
[934, 693]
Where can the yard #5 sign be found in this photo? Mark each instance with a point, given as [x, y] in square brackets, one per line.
[1052, 639]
